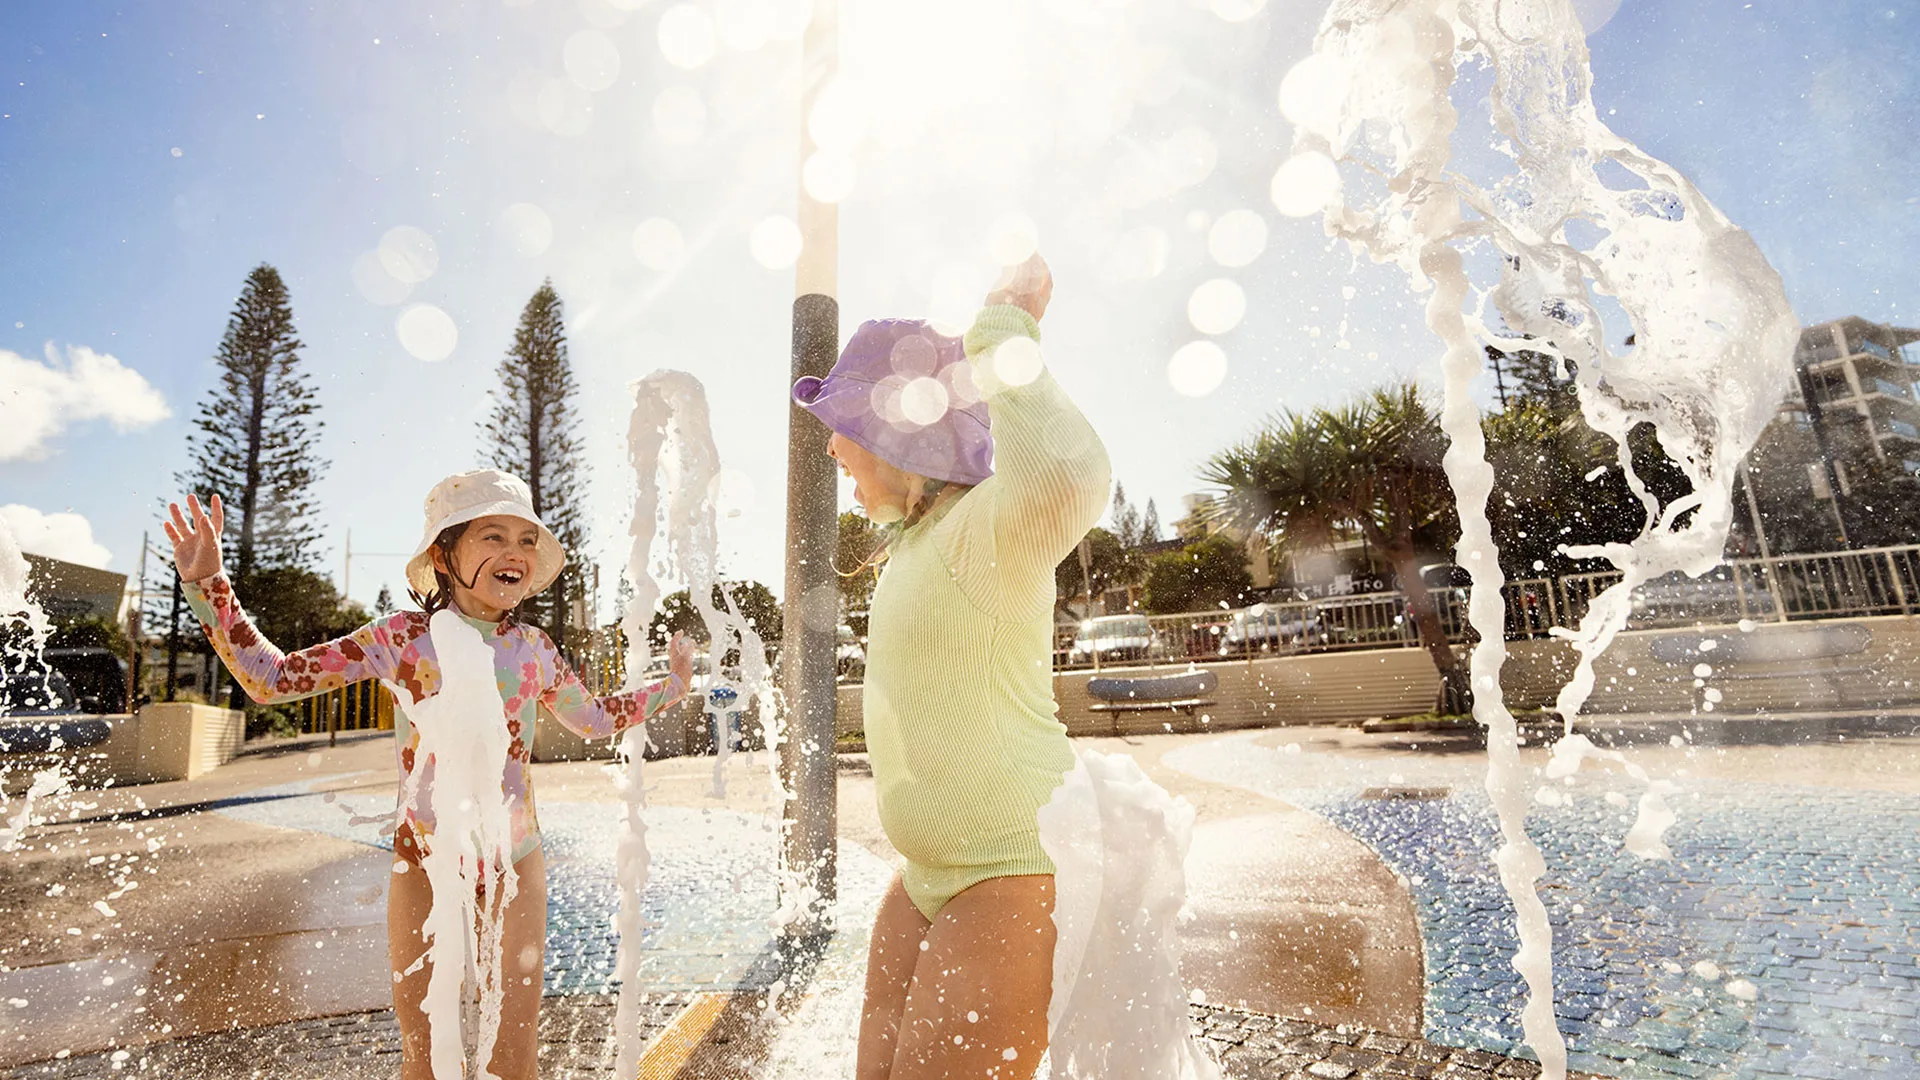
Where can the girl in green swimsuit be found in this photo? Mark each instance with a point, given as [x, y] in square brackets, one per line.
[958, 702]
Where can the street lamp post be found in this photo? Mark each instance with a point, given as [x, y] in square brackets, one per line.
[810, 613]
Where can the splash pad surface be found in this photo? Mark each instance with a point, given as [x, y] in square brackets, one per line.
[1802, 884]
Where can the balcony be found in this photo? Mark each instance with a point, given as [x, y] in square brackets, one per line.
[1900, 430]
[1887, 387]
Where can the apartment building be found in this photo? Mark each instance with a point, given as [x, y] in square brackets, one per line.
[1857, 393]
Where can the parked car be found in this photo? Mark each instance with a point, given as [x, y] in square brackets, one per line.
[850, 656]
[39, 712]
[1115, 637]
[1268, 626]
[1676, 598]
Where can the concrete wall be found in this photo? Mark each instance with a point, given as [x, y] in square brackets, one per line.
[1828, 665]
[1324, 688]
[1837, 664]
[162, 742]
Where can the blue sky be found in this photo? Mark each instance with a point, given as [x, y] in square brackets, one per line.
[150, 155]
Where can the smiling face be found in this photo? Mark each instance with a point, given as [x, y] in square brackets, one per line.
[492, 565]
[881, 489]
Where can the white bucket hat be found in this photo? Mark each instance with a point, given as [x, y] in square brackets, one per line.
[483, 493]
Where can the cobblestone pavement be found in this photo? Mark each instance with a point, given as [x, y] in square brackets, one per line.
[1781, 940]
[576, 1044]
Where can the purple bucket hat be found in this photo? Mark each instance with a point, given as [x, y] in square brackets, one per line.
[905, 392]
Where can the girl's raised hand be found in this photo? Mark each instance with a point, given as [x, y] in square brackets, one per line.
[196, 545]
[1028, 285]
[680, 660]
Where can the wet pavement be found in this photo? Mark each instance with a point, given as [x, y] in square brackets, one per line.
[1373, 923]
[1780, 939]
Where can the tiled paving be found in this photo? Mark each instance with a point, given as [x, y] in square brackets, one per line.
[1811, 895]
[575, 1044]
[709, 894]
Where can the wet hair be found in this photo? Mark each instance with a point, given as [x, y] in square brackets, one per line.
[441, 595]
[929, 492]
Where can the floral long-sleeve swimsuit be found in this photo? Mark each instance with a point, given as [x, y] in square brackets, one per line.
[398, 650]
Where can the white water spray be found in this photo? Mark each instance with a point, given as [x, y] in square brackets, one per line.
[23, 633]
[468, 860]
[1585, 219]
[670, 445]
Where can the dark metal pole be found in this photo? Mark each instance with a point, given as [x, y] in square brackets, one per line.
[173, 641]
[811, 609]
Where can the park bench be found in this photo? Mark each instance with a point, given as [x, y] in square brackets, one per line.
[1184, 692]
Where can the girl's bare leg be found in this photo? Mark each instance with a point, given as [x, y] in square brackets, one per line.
[892, 953]
[516, 1053]
[977, 1007]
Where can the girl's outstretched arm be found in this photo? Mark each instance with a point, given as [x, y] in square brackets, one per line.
[1051, 475]
[262, 670]
[589, 717]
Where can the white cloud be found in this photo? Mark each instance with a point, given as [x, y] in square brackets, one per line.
[39, 401]
[57, 536]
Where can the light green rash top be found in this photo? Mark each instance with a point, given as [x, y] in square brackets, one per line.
[958, 704]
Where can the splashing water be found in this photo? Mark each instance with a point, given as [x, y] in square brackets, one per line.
[469, 861]
[670, 445]
[23, 634]
[1586, 224]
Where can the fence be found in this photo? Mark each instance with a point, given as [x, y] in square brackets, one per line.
[363, 706]
[1878, 581]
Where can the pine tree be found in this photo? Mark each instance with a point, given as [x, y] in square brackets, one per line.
[383, 603]
[255, 446]
[1150, 524]
[534, 435]
[257, 434]
[1126, 519]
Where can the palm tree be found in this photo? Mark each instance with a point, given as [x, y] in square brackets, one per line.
[1371, 467]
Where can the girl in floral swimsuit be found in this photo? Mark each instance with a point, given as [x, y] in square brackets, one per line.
[484, 551]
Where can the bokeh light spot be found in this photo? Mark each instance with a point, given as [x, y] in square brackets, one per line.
[1141, 254]
[370, 277]
[1594, 14]
[775, 242]
[914, 356]
[592, 60]
[564, 108]
[956, 294]
[1237, 10]
[1237, 238]
[923, 401]
[1217, 306]
[528, 229]
[427, 333]
[828, 176]
[1313, 93]
[1305, 185]
[679, 115]
[409, 254]
[1013, 238]
[658, 245]
[1017, 361]
[745, 25]
[838, 120]
[1197, 369]
[687, 37]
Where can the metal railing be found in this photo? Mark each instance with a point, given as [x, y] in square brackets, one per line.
[1828, 585]
[1333, 624]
